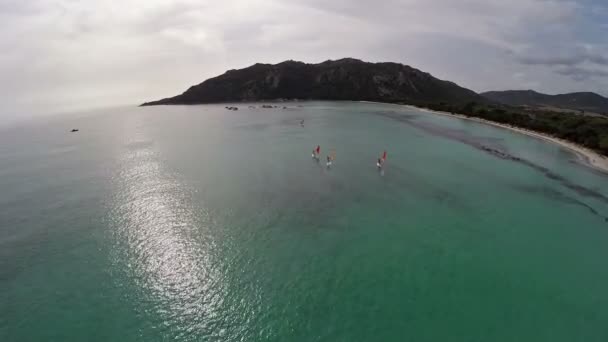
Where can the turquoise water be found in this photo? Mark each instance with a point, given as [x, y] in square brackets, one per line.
[202, 224]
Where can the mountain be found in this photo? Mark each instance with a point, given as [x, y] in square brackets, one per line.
[344, 79]
[589, 102]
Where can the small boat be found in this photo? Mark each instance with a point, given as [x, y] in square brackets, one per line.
[74, 130]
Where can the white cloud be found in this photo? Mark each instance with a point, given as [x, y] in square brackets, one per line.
[57, 54]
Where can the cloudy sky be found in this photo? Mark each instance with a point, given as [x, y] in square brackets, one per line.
[62, 55]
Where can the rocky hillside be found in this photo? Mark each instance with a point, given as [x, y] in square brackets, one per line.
[344, 79]
[589, 102]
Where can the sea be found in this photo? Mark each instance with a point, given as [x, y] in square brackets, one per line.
[199, 223]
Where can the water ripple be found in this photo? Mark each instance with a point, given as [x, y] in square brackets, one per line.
[158, 244]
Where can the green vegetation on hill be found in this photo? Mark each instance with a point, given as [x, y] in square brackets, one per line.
[355, 80]
[583, 102]
[344, 79]
[588, 131]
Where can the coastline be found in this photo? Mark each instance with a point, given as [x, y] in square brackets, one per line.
[589, 157]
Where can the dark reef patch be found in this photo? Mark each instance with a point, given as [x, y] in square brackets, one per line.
[482, 145]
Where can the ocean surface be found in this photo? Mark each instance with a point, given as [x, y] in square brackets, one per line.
[196, 223]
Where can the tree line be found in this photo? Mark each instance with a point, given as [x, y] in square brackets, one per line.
[588, 131]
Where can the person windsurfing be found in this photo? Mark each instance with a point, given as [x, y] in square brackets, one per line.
[330, 158]
[381, 160]
[316, 153]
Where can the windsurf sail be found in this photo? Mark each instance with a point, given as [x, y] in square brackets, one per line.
[381, 160]
[316, 153]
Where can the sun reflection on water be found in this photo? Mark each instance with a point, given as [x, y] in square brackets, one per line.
[163, 243]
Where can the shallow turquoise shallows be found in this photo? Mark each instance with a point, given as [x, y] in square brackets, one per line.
[196, 223]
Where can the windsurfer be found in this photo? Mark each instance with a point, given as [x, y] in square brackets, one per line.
[381, 161]
[316, 153]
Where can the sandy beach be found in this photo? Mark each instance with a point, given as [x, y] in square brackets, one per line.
[587, 156]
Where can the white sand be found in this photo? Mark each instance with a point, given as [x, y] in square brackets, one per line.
[589, 157]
